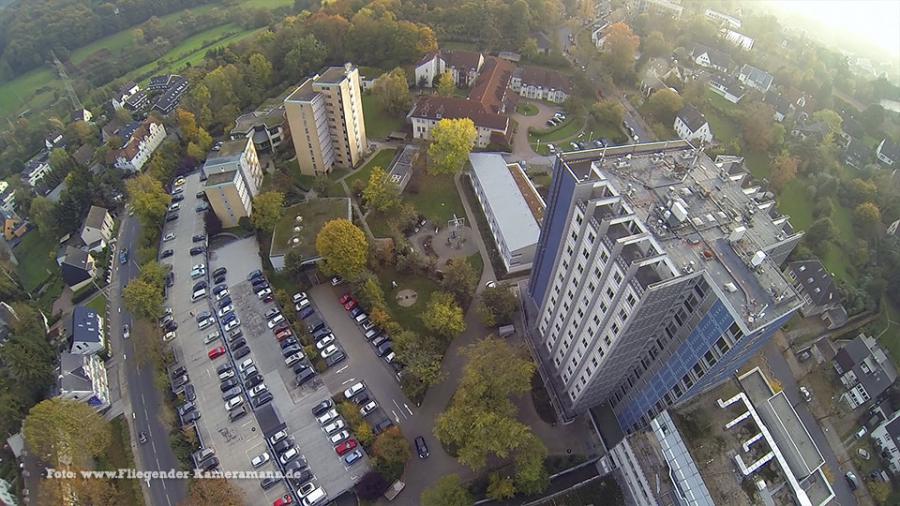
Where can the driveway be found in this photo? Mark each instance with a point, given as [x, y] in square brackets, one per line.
[521, 148]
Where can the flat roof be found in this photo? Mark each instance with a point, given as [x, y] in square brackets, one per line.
[220, 178]
[334, 75]
[303, 93]
[314, 213]
[515, 221]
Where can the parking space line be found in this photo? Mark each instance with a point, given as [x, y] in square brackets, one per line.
[351, 380]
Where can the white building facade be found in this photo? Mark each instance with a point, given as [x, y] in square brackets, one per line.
[140, 147]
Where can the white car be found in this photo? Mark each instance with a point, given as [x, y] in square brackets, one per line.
[325, 341]
[225, 310]
[233, 324]
[368, 408]
[175, 206]
[227, 374]
[204, 323]
[289, 455]
[169, 237]
[258, 389]
[234, 402]
[262, 293]
[275, 321]
[243, 366]
[297, 297]
[199, 267]
[293, 359]
[169, 336]
[355, 389]
[339, 437]
[260, 459]
[327, 417]
[300, 306]
[212, 336]
[278, 436]
[329, 351]
[333, 427]
[179, 182]
[221, 295]
[126, 331]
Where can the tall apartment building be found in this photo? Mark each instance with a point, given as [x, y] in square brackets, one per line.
[656, 276]
[233, 178]
[326, 121]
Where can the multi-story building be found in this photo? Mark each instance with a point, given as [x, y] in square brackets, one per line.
[97, 229]
[656, 276]
[691, 125]
[864, 369]
[7, 197]
[264, 125]
[128, 90]
[83, 378]
[139, 141]
[429, 110]
[541, 84]
[84, 332]
[233, 179]
[887, 438]
[36, 168]
[723, 19]
[77, 268]
[326, 121]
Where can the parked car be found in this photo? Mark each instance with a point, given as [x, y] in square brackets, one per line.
[345, 447]
[216, 352]
[338, 357]
[350, 392]
[368, 409]
[329, 351]
[353, 457]
[322, 407]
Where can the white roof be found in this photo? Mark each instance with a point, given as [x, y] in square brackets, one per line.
[515, 222]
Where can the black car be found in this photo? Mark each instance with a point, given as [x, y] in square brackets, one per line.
[197, 250]
[269, 482]
[171, 217]
[254, 380]
[322, 332]
[228, 384]
[170, 279]
[257, 282]
[291, 341]
[304, 376]
[254, 275]
[306, 312]
[170, 326]
[337, 358]
[421, 447]
[166, 253]
[283, 445]
[209, 464]
[238, 343]
[298, 479]
[235, 334]
[219, 288]
[178, 371]
[290, 350]
[262, 399]
[224, 302]
[199, 284]
[382, 426]
[240, 352]
[384, 349]
[320, 408]
[222, 368]
[198, 238]
[220, 271]
[361, 398]
[300, 367]
[296, 466]
[237, 413]
[271, 312]
[219, 279]
[189, 392]
[177, 198]
[190, 417]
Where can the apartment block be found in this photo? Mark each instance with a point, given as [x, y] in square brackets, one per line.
[233, 178]
[326, 121]
[656, 276]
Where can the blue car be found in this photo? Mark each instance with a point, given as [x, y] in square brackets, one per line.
[306, 313]
[227, 318]
[123, 256]
[353, 457]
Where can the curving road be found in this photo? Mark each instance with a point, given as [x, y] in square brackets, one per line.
[140, 397]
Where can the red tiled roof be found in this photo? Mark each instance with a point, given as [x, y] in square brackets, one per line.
[462, 59]
[435, 107]
[131, 146]
[490, 88]
[545, 78]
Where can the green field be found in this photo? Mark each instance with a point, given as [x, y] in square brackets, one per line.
[758, 164]
[98, 303]
[379, 124]
[115, 43]
[794, 201]
[437, 197]
[408, 317]
[37, 260]
[33, 89]
[381, 159]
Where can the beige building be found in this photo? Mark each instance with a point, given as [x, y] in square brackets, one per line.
[233, 178]
[326, 121]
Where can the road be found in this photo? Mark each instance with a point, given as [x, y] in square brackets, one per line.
[781, 370]
[139, 394]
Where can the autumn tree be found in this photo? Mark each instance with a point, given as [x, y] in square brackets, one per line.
[260, 75]
[832, 121]
[867, 217]
[758, 126]
[500, 487]
[43, 214]
[213, 492]
[664, 104]
[443, 316]
[391, 451]
[421, 354]
[445, 85]
[452, 141]
[380, 193]
[148, 199]
[392, 91]
[460, 279]
[784, 170]
[655, 45]
[144, 295]
[448, 491]
[608, 112]
[619, 50]
[60, 429]
[267, 210]
[343, 248]
[497, 305]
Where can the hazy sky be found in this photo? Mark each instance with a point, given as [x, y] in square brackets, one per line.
[876, 22]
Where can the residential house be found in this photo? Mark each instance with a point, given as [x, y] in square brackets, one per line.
[711, 58]
[233, 179]
[78, 268]
[125, 92]
[755, 78]
[83, 378]
[169, 99]
[656, 74]
[428, 68]
[857, 154]
[865, 370]
[538, 83]
[783, 107]
[428, 110]
[599, 33]
[671, 8]
[464, 66]
[54, 140]
[738, 39]
[13, 226]
[727, 87]
[82, 115]
[97, 229]
[138, 101]
[816, 130]
[819, 291]
[887, 152]
[36, 168]
[544, 44]
[723, 19]
[85, 332]
[111, 129]
[266, 126]
[139, 141]
[887, 438]
[491, 86]
[84, 155]
[7, 197]
[691, 125]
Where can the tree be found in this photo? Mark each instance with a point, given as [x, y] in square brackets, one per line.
[421, 354]
[380, 193]
[757, 124]
[392, 91]
[872, 118]
[460, 279]
[43, 215]
[267, 210]
[445, 85]
[187, 124]
[213, 492]
[62, 429]
[60, 161]
[452, 141]
[448, 491]
[619, 49]
[143, 299]
[867, 217]
[664, 104]
[819, 232]
[443, 316]
[343, 248]
[655, 45]
[832, 120]
[148, 199]
[784, 171]
[260, 71]
[371, 486]
[497, 306]
[500, 487]
[608, 112]
[391, 451]
[370, 293]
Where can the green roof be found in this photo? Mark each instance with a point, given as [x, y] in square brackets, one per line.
[315, 213]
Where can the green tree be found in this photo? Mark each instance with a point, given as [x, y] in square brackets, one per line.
[391, 451]
[821, 231]
[445, 85]
[260, 71]
[213, 492]
[500, 487]
[267, 210]
[448, 491]
[392, 91]
[664, 104]
[443, 316]
[380, 193]
[148, 199]
[655, 45]
[452, 141]
[872, 119]
[460, 279]
[867, 217]
[832, 120]
[608, 112]
[421, 354]
[619, 49]
[43, 215]
[143, 299]
[60, 161]
[370, 293]
[497, 305]
[343, 248]
[784, 171]
[757, 124]
[58, 428]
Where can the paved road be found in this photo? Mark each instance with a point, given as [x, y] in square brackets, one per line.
[140, 392]
[781, 370]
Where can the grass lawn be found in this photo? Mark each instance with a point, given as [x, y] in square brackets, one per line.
[476, 262]
[843, 224]
[119, 456]
[98, 304]
[794, 201]
[115, 43]
[434, 196]
[837, 262]
[315, 213]
[379, 123]
[890, 332]
[758, 164]
[526, 109]
[563, 132]
[381, 159]
[35, 262]
[723, 129]
[407, 317]
[27, 90]
[192, 48]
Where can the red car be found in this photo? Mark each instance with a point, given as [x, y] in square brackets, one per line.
[286, 499]
[345, 447]
[281, 336]
[345, 298]
[350, 305]
[268, 299]
[216, 352]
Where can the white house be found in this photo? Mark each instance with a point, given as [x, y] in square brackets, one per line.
[723, 19]
[97, 229]
[125, 92]
[887, 152]
[541, 84]
[711, 58]
[727, 87]
[7, 197]
[86, 335]
[36, 168]
[428, 68]
[691, 125]
[428, 110]
[140, 140]
[738, 39]
[598, 35]
[756, 78]
[83, 378]
[887, 437]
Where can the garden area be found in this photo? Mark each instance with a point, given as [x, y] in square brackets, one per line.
[381, 159]
[36, 255]
[379, 123]
[527, 109]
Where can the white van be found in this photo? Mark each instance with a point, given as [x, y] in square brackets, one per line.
[361, 317]
[315, 497]
[198, 294]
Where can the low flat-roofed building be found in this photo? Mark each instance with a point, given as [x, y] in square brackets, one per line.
[300, 224]
[265, 126]
[512, 206]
